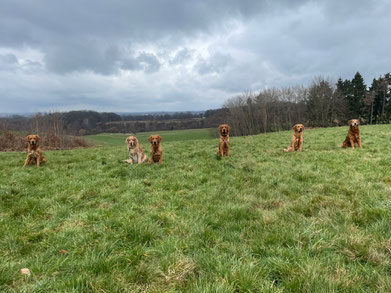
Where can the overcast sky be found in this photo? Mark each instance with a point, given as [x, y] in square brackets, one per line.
[173, 55]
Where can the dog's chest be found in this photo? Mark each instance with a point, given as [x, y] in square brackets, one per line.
[225, 142]
[33, 154]
[133, 156]
[298, 142]
[156, 156]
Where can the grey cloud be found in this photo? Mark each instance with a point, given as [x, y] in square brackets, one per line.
[245, 45]
[82, 55]
[146, 62]
[182, 56]
[216, 63]
[8, 62]
[72, 33]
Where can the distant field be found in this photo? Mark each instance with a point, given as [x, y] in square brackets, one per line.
[261, 220]
[168, 136]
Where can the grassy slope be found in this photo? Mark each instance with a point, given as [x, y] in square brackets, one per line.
[260, 220]
[168, 136]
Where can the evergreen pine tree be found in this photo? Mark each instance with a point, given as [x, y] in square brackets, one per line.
[356, 99]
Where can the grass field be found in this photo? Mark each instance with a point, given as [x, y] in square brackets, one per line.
[118, 139]
[261, 220]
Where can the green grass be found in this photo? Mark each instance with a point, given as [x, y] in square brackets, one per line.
[118, 139]
[261, 220]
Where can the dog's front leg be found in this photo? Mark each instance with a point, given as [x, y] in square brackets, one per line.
[351, 142]
[38, 158]
[301, 145]
[222, 151]
[26, 161]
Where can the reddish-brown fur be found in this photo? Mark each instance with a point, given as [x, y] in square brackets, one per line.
[156, 149]
[353, 136]
[136, 155]
[297, 139]
[223, 149]
[34, 152]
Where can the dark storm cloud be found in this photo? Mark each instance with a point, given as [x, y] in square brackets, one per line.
[181, 55]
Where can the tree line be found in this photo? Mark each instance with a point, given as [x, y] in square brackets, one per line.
[322, 104]
[91, 122]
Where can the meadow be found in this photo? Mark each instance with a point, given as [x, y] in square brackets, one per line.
[261, 220]
[118, 139]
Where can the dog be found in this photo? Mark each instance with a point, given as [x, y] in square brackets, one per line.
[136, 155]
[353, 136]
[297, 139]
[34, 153]
[156, 149]
[223, 149]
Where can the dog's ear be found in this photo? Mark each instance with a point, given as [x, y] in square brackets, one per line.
[294, 127]
[27, 137]
[350, 122]
[135, 138]
[219, 128]
[358, 122]
[126, 140]
[159, 138]
[150, 139]
[38, 138]
[229, 128]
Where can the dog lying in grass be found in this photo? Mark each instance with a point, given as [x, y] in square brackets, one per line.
[156, 149]
[136, 155]
[223, 149]
[297, 139]
[34, 153]
[353, 136]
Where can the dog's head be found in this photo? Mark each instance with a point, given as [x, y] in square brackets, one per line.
[155, 140]
[354, 123]
[32, 139]
[224, 129]
[298, 128]
[132, 142]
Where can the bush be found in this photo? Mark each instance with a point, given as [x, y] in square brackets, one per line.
[12, 142]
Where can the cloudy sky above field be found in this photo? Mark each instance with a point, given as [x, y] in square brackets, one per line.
[171, 55]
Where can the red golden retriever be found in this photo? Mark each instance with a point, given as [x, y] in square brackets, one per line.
[353, 136]
[297, 139]
[156, 149]
[223, 149]
[34, 152]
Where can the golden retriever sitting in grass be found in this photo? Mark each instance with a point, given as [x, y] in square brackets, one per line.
[297, 139]
[136, 155]
[223, 149]
[353, 136]
[34, 153]
[156, 149]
